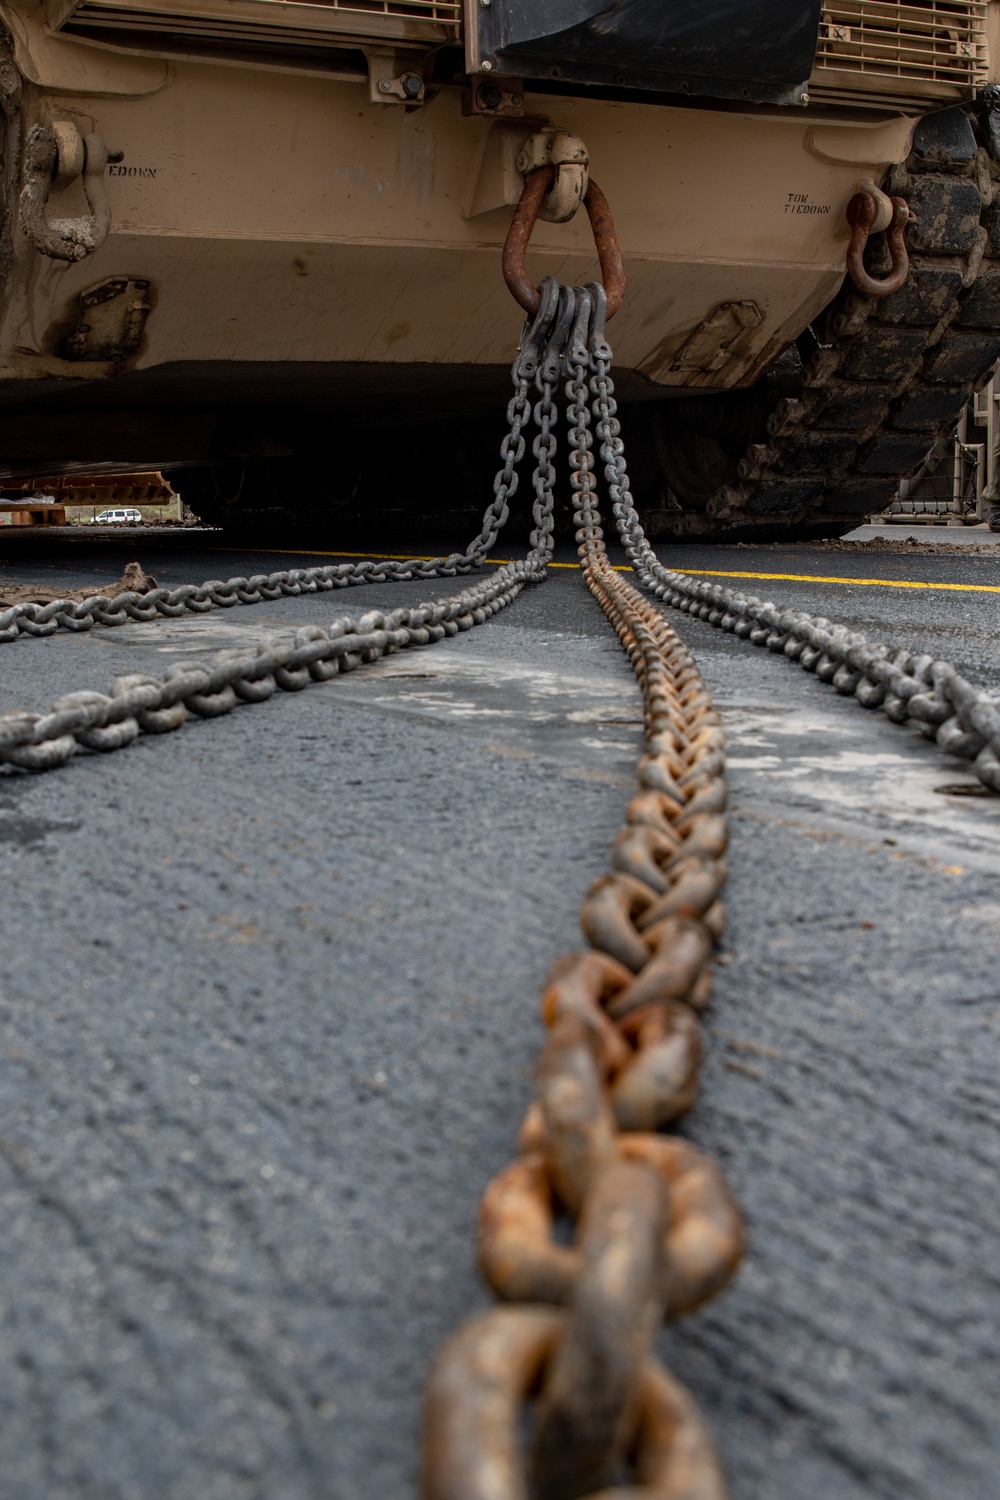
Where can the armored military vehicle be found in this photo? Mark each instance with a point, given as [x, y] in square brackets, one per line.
[261, 239]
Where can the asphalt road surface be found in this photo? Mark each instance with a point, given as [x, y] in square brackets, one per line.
[269, 990]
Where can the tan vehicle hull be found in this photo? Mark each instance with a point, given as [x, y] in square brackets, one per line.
[280, 240]
[289, 221]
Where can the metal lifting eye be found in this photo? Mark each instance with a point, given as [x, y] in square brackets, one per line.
[536, 188]
[57, 155]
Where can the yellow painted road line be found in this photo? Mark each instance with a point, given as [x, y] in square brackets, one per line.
[882, 583]
[495, 562]
[309, 552]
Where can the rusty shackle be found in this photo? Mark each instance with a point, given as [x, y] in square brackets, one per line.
[862, 211]
[537, 185]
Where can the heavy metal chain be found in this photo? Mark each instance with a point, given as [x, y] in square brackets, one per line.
[964, 719]
[216, 593]
[139, 704]
[657, 1232]
[191, 598]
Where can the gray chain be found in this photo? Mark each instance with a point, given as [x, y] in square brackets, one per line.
[964, 719]
[216, 593]
[99, 721]
[581, 458]
[290, 661]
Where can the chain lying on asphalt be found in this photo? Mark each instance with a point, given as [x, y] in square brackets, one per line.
[215, 593]
[140, 704]
[660, 1233]
[964, 719]
[657, 1230]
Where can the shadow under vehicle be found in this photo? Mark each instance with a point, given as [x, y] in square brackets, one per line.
[256, 243]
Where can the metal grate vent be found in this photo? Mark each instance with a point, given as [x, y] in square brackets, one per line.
[923, 49]
[448, 12]
[309, 25]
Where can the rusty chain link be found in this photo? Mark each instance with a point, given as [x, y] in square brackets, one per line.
[657, 1230]
[862, 211]
[538, 183]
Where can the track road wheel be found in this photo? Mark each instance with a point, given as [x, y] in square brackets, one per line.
[874, 390]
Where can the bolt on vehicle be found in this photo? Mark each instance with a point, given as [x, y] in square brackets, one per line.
[256, 243]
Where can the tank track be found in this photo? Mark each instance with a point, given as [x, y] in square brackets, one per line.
[884, 380]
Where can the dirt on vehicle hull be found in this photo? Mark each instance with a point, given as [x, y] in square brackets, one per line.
[220, 253]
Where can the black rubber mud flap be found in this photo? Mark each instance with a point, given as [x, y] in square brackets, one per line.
[728, 49]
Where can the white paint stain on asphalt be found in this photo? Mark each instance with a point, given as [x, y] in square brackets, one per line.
[843, 761]
[833, 759]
